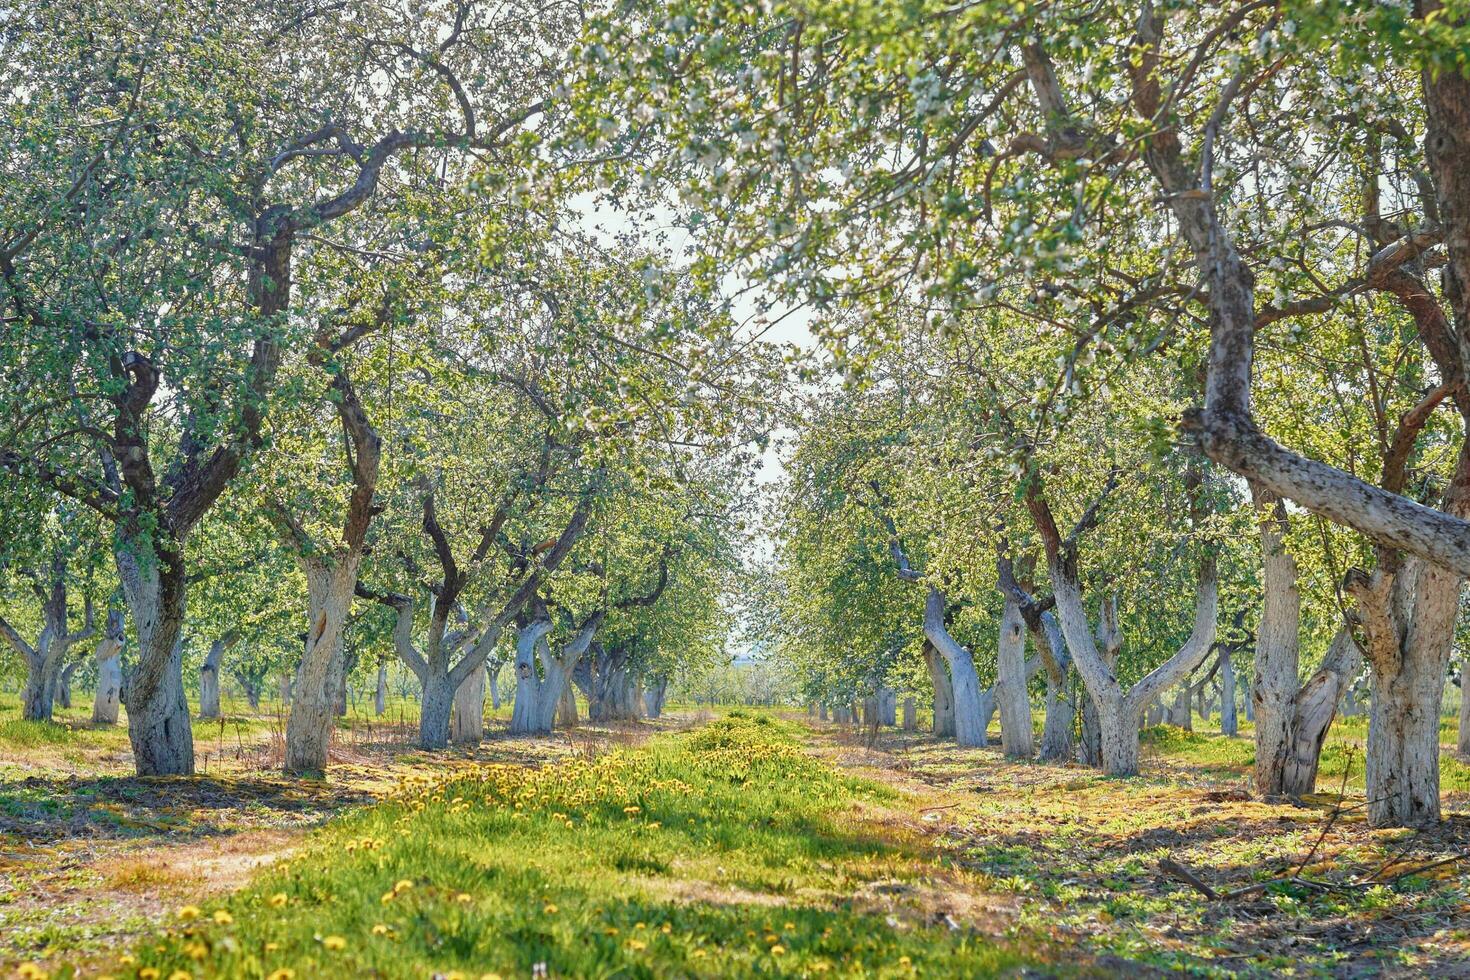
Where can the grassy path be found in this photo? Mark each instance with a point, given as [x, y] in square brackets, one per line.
[727, 851]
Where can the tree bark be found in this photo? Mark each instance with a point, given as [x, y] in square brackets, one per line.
[536, 698]
[1313, 709]
[1462, 744]
[943, 692]
[380, 693]
[468, 726]
[108, 696]
[209, 675]
[654, 698]
[159, 727]
[1010, 693]
[910, 715]
[970, 718]
[329, 587]
[493, 671]
[1229, 724]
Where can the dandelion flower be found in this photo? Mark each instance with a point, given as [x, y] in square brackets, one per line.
[550, 909]
[699, 954]
[181, 975]
[904, 961]
[640, 926]
[284, 973]
[388, 896]
[636, 945]
[489, 976]
[189, 913]
[778, 950]
[666, 929]
[223, 918]
[464, 898]
[610, 931]
[31, 971]
[148, 973]
[403, 885]
[380, 929]
[272, 947]
[335, 943]
[278, 900]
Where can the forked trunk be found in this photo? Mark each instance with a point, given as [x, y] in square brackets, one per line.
[970, 715]
[1313, 709]
[537, 697]
[1402, 759]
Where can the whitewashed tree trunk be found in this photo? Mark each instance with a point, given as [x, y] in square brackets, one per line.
[566, 712]
[943, 692]
[1313, 709]
[654, 698]
[1180, 714]
[468, 725]
[969, 720]
[209, 676]
[1229, 724]
[108, 657]
[380, 693]
[493, 670]
[329, 586]
[1010, 694]
[1277, 646]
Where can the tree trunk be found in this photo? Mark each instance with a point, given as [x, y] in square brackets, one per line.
[1229, 725]
[435, 709]
[209, 680]
[109, 671]
[910, 715]
[1402, 759]
[1010, 686]
[822, 711]
[653, 700]
[1463, 739]
[283, 688]
[329, 587]
[943, 692]
[468, 726]
[1118, 736]
[536, 700]
[493, 672]
[1277, 646]
[1312, 712]
[970, 717]
[566, 711]
[1180, 715]
[380, 693]
[159, 727]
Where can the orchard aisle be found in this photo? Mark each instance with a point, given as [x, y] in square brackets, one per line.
[1072, 858]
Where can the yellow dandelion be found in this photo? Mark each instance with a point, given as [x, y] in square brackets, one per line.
[148, 973]
[464, 898]
[636, 945]
[631, 810]
[284, 973]
[223, 918]
[196, 950]
[789, 927]
[379, 929]
[127, 959]
[189, 913]
[181, 975]
[665, 928]
[489, 976]
[610, 931]
[272, 947]
[278, 900]
[403, 885]
[904, 961]
[388, 896]
[640, 926]
[699, 954]
[550, 909]
[31, 971]
[335, 943]
[820, 967]
[778, 950]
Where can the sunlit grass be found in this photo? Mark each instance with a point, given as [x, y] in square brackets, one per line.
[724, 852]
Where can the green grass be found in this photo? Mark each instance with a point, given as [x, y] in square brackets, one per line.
[725, 852]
